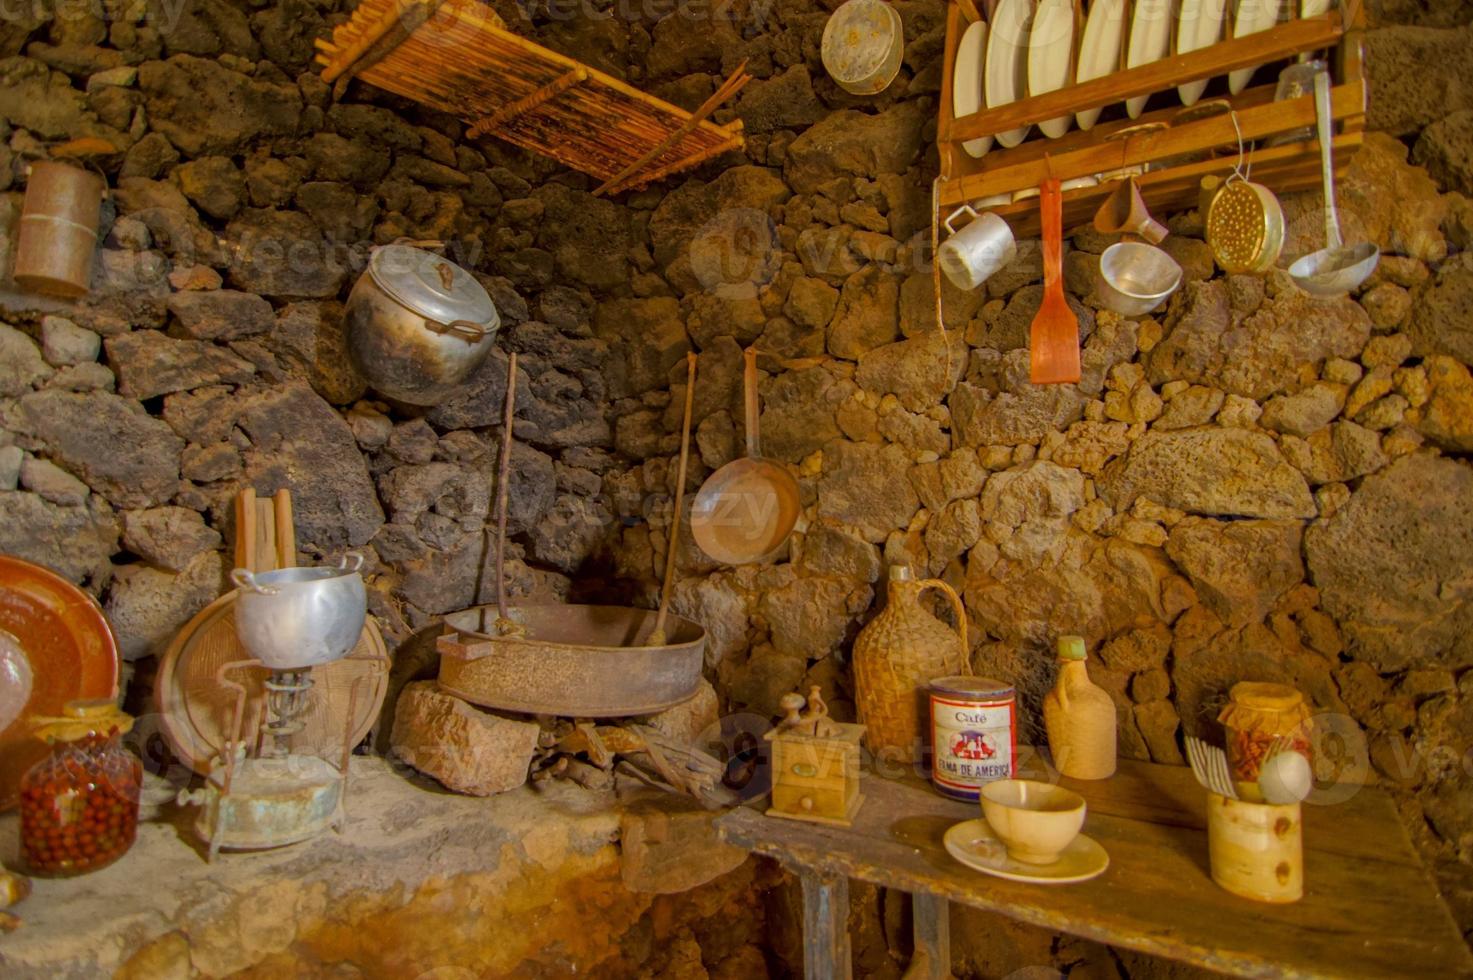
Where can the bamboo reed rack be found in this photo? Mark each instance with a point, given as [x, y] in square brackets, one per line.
[1178, 145]
[458, 57]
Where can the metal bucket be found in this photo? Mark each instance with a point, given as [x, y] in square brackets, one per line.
[58, 229]
[575, 661]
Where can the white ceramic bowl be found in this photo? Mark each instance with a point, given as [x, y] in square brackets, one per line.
[1036, 821]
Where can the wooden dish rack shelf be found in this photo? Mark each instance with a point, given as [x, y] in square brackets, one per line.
[1179, 145]
[458, 56]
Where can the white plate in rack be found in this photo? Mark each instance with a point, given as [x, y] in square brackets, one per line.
[1313, 8]
[1250, 17]
[1007, 61]
[1099, 51]
[1051, 57]
[1150, 40]
[966, 81]
[1199, 26]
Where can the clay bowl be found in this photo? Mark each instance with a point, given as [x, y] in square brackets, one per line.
[1036, 821]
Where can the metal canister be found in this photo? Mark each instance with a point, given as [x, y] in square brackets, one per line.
[974, 734]
[58, 229]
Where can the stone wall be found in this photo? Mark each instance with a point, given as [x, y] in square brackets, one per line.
[1248, 484]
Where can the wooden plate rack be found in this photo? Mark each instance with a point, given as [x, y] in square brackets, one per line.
[1179, 145]
[457, 56]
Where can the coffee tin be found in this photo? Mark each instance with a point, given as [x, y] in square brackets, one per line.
[974, 730]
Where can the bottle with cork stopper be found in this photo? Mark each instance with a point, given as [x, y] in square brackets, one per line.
[1079, 717]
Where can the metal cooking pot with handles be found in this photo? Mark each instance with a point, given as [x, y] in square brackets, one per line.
[418, 325]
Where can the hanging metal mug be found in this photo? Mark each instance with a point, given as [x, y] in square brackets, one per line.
[58, 229]
[973, 255]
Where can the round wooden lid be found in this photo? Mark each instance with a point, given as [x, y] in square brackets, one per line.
[195, 709]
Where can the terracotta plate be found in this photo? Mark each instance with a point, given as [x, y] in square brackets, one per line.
[68, 647]
[195, 710]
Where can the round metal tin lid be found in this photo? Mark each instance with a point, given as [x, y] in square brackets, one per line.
[972, 687]
[433, 287]
[858, 40]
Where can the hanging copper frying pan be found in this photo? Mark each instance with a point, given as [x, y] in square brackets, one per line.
[746, 510]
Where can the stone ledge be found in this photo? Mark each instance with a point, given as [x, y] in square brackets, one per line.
[165, 909]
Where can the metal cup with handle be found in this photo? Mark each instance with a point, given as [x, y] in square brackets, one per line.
[973, 255]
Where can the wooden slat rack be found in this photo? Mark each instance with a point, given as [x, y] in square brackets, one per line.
[1179, 145]
[457, 56]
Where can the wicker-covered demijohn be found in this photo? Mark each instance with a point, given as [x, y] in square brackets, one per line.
[896, 656]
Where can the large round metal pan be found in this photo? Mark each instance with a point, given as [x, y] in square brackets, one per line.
[575, 661]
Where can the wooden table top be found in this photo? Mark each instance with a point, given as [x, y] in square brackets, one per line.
[1370, 908]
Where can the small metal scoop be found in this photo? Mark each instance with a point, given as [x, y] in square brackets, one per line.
[1337, 268]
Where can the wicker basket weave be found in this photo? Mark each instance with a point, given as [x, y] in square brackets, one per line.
[896, 656]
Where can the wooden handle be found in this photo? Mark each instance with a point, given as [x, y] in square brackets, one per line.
[286, 530]
[657, 638]
[749, 394]
[503, 476]
[1051, 217]
[956, 604]
[245, 529]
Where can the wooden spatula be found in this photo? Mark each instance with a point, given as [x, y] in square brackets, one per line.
[1054, 337]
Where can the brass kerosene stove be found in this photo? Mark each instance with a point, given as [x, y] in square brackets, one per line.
[261, 793]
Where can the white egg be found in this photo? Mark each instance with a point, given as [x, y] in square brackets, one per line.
[1285, 778]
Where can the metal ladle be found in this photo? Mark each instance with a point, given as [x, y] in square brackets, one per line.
[1337, 268]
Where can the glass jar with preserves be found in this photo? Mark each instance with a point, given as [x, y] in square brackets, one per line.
[1261, 719]
[79, 804]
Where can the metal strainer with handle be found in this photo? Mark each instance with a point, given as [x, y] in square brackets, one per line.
[1245, 223]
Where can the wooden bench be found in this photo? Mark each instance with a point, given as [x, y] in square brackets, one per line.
[1370, 908]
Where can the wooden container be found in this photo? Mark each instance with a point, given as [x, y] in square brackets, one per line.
[815, 771]
[58, 229]
[897, 656]
[1256, 850]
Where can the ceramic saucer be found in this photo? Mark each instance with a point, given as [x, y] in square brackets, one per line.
[973, 843]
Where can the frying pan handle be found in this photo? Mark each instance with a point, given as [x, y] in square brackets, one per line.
[749, 393]
[956, 604]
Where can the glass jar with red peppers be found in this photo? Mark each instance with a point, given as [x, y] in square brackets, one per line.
[1261, 719]
[79, 805]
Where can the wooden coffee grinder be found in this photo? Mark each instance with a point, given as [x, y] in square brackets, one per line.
[815, 763]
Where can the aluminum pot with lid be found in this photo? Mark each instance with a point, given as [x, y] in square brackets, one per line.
[418, 325]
